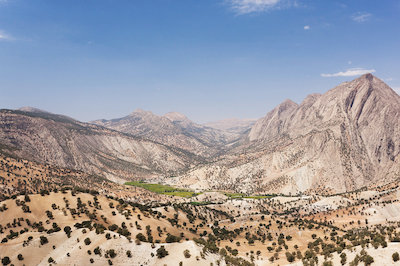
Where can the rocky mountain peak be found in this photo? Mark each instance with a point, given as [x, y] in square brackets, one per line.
[32, 109]
[141, 112]
[176, 117]
[286, 105]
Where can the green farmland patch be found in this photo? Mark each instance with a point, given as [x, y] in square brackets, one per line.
[163, 189]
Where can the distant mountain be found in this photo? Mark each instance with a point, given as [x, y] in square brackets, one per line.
[342, 140]
[233, 125]
[32, 110]
[62, 141]
[173, 129]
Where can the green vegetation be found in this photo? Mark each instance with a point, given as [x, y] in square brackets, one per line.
[163, 189]
[259, 197]
[245, 196]
[200, 203]
[234, 195]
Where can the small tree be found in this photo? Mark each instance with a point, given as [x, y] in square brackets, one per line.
[20, 257]
[368, 260]
[113, 227]
[343, 258]
[162, 252]
[26, 198]
[141, 237]
[67, 231]
[97, 251]
[111, 253]
[171, 238]
[395, 256]
[43, 240]
[290, 257]
[5, 260]
[87, 241]
[186, 253]
[129, 254]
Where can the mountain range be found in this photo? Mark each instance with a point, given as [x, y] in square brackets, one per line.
[173, 129]
[342, 140]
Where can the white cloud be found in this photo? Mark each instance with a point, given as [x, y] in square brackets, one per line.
[250, 6]
[4, 36]
[349, 73]
[397, 90]
[361, 17]
[307, 27]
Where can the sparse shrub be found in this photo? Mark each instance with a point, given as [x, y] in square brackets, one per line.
[395, 256]
[343, 258]
[87, 241]
[186, 253]
[141, 237]
[67, 231]
[5, 260]
[26, 198]
[97, 251]
[290, 257]
[129, 254]
[171, 238]
[111, 253]
[368, 260]
[43, 240]
[162, 252]
[113, 227]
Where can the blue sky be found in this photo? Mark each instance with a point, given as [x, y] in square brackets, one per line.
[209, 59]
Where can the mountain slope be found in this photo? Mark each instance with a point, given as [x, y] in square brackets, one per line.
[64, 142]
[173, 129]
[342, 140]
[232, 125]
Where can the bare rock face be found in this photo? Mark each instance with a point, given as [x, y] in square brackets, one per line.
[342, 140]
[271, 126]
[64, 142]
[173, 129]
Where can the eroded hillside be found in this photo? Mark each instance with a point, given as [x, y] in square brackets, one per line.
[342, 140]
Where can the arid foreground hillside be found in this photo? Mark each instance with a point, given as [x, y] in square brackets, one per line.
[69, 226]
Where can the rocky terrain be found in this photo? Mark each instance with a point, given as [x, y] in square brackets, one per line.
[233, 125]
[173, 129]
[64, 142]
[342, 140]
[315, 183]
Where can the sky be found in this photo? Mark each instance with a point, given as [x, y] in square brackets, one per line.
[208, 59]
